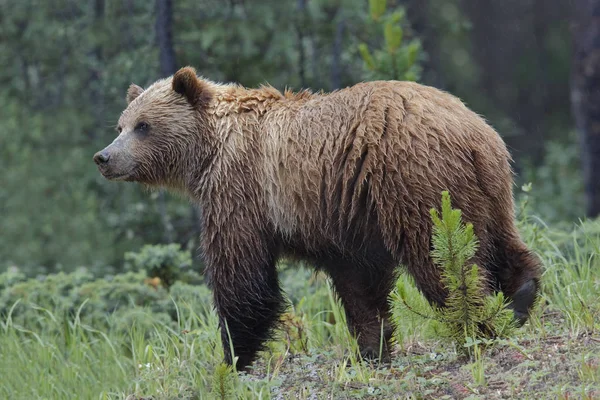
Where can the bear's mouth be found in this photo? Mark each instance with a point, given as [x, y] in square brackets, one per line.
[115, 176]
[120, 177]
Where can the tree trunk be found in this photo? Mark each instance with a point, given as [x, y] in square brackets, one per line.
[585, 95]
[300, 22]
[95, 80]
[168, 66]
[336, 65]
[164, 37]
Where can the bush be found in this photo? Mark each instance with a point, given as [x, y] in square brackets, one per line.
[168, 263]
[95, 301]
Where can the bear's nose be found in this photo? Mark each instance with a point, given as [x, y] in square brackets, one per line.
[101, 157]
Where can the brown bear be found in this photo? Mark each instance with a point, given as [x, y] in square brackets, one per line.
[344, 180]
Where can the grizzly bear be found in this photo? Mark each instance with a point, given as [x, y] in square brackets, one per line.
[344, 180]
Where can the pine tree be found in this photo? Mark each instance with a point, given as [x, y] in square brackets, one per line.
[468, 315]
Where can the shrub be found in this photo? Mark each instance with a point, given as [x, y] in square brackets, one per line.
[95, 301]
[168, 263]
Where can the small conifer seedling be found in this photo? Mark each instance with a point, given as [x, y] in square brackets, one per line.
[469, 314]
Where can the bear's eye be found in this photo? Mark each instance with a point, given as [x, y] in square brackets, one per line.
[142, 127]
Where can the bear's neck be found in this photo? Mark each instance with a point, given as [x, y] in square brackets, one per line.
[235, 117]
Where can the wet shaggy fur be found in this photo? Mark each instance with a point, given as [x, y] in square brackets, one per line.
[344, 180]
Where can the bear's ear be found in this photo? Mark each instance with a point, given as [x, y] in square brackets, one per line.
[133, 92]
[186, 83]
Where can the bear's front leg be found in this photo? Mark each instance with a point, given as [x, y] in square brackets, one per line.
[247, 295]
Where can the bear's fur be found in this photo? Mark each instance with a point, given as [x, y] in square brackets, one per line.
[344, 180]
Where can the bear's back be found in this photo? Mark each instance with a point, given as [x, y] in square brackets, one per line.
[383, 147]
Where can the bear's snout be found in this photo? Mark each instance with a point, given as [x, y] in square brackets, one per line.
[101, 157]
[115, 162]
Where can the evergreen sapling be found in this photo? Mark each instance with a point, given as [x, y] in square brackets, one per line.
[469, 315]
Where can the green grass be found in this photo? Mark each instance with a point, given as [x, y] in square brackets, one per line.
[556, 355]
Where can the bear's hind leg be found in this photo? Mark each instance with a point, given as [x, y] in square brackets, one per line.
[427, 277]
[364, 291]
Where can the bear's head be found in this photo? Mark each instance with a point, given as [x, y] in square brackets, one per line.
[164, 132]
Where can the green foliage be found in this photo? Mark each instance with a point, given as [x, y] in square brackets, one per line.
[393, 59]
[48, 216]
[168, 346]
[377, 8]
[62, 99]
[572, 274]
[167, 262]
[469, 314]
[223, 382]
[91, 299]
[68, 361]
[557, 183]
